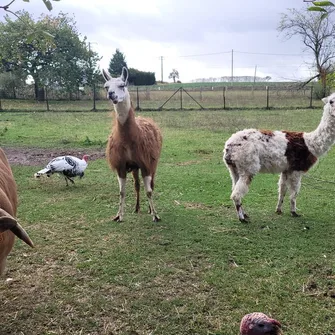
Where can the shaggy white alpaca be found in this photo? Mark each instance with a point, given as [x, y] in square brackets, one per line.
[251, 151]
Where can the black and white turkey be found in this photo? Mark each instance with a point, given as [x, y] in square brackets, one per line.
[68, 166]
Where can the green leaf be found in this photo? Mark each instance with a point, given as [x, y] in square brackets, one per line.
[324, 15]
[323, 3]
[317, 9]
[26, 0]
[47, 34]
[48, 4]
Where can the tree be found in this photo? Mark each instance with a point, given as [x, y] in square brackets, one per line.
[138, 78]
[317, 34]
[116, 64]
[61, 60]
[174, 74]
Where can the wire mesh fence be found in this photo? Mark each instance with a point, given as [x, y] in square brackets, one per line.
[164, 98]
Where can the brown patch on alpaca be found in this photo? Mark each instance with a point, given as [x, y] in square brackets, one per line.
[297, 153]
[134, 145]
[267, 132]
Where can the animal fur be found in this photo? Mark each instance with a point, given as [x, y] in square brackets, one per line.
[291, 154]
[9, 227]
[134, 145]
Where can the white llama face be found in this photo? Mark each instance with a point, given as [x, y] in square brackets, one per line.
[116, 87]
[330, 100]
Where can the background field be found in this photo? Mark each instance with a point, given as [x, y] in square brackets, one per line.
[199, 270]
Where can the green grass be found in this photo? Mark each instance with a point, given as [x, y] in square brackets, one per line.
[90, 275]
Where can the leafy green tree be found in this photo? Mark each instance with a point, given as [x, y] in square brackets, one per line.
[62, 60]
[116, 64]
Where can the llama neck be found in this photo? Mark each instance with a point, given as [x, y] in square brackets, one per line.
[122, 110]
[322, 138]
[125, 127]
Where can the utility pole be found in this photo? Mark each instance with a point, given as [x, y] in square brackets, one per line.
[255, 74]
[162, 69]
[232, 65]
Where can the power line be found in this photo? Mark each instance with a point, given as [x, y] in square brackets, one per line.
[242, 52]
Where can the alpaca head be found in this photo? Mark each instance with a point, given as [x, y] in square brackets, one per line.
[330, 99]
[116, 87]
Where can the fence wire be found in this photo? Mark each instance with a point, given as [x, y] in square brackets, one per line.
[165, 98]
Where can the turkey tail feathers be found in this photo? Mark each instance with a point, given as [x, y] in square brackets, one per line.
[43, 171]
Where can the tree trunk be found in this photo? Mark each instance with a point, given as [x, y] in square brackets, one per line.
[39, 92]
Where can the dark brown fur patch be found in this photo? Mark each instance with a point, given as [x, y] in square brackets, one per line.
[297, 153]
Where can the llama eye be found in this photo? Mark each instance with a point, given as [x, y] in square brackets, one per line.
[106, 88]
[121, 86]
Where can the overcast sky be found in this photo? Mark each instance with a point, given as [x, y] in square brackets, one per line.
[195, 37]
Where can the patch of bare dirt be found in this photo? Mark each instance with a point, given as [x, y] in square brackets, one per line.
[38, 156]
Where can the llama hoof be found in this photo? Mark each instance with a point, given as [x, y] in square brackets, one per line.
[156, 218]
[117, 218]
[136, 210]
[245, 219]
[295, 214]
[279, 212]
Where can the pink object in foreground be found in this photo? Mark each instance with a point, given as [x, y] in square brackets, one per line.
[259, 324]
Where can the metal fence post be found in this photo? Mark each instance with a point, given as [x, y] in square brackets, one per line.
[137, 100]
[311, 98]
[224, 96]
[94, 99]
[267, 97]
[46, 98]
[181, 98]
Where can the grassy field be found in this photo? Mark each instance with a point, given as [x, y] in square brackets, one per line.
[199, 270]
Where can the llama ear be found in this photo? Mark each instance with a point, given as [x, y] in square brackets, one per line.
[124, 75]
[106, 74]
[325, 100]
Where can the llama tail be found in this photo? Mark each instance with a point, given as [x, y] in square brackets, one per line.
[43, 171]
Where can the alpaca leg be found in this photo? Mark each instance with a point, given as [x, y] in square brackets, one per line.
[148, 189]
[282, 191]
[233, 175]
[137, 190]
[294, 180]
[240, 190]
[122, 186]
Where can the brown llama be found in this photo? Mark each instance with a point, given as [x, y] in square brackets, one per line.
[9, 227]
[134, 144]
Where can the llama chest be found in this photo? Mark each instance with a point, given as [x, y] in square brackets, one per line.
[297, 153]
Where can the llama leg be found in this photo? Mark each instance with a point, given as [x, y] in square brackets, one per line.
[122, 186]
[240, 190]
[148, 189]
[294, 184]
[137, 190]
[233, 175]
[282, 191]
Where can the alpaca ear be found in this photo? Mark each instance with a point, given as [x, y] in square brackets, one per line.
[124, 75]
[325, 100]
[106, 74]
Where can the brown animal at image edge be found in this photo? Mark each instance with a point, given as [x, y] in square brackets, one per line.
[9, 227]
